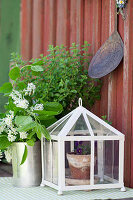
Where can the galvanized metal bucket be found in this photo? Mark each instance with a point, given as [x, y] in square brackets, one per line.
[30, 173]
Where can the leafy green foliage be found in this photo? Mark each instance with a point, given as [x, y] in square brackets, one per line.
[23, 120]
[14, 73]
[31, 142]
[37, 68]
[26, 127]
[6, 88]
[104, 117]
[42, 130]
[24, 155]
[4, 142]
[62, 76]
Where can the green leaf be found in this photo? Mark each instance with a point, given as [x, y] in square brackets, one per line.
[21, 85]
[38, 130]
[31, 142]
[4, 142]
[42, 130]
[6, 88]
[31, 134]
[24, 155]
[2, 115]
[27, 127]
[46, 133]
[14, 73]
[37, 68]
[23, 120]
[49, 122]
[53, 106]
[46, 113]
[45, 117]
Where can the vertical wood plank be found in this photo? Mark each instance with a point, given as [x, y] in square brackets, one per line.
[88, 23]
[26, 29]
[62, 31]
[76, 22]
[104, 37]
[112, 78]
[49, 32]
[127, 91]
[96, 39]
[37, 44]
[118, 114]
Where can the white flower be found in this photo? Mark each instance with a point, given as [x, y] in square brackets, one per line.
[14, 131]
[1, 156]
[11, 138]
[15, 95]
[1, 128]
[22, 103]
[11, 114]
[8, 154]
[8, 121]
[9, 132]
[30, 89]
[23, 135]
[38, 107]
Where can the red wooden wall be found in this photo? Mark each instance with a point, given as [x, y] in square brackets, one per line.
[45, 22]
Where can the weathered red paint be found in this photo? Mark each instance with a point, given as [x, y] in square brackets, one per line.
[49, 31]
[57, 22]
[37, 28]
[26, 29]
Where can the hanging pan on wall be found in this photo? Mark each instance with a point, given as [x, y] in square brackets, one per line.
[108, 57]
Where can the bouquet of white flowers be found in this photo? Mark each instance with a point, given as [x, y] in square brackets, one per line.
[25, 114]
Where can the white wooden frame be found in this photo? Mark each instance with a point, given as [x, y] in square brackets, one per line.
[62, 137]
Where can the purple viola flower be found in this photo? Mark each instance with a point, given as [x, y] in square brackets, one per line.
[79, 150]
[80, 142]
[76, 143]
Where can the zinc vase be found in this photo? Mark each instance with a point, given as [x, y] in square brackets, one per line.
[30, 173]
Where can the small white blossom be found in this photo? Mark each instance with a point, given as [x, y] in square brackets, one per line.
[8, 154]
[11, 114]
[14, 131]
[11, 138]
[15, 95]
[23, 135]
[8, 121]
[38, 107]
[1, 156]
[1, 128]
[22, 103]
[30, 89]
[9, 132]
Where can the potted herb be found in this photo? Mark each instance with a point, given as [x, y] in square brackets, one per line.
[62, 76]
[79, 161]
[21, 127]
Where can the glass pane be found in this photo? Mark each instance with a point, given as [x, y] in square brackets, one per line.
[59, 127]
[107, 162]
[51, 161]
[77, 165]
[99, 129]
[80, 128]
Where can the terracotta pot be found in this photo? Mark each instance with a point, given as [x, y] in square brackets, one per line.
[79, 166]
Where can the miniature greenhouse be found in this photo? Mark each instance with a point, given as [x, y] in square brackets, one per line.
[84, 153]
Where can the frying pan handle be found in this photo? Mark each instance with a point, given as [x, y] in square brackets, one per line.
[116, 18]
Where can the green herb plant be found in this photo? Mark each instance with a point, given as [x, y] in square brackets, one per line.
[61, 76]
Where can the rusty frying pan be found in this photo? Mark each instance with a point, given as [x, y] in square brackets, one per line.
[108, 57]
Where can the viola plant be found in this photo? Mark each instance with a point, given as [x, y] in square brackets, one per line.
[81, 148]
[22, 121]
